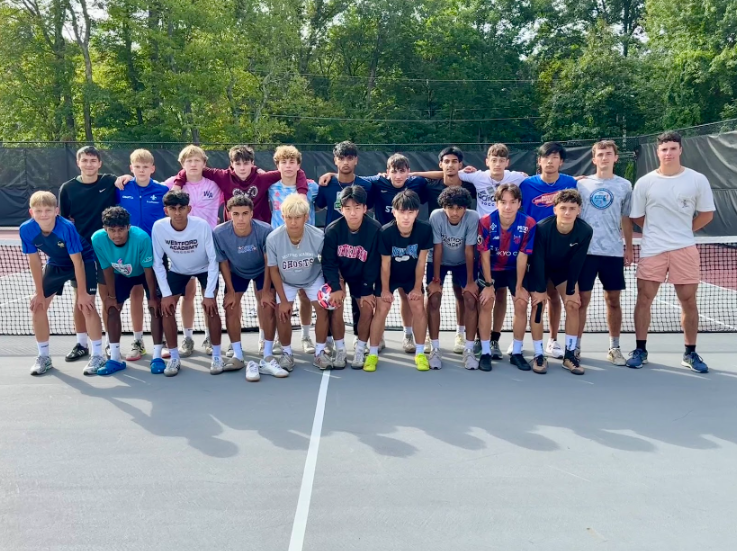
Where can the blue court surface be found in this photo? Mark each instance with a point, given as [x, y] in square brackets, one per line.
[617, 459]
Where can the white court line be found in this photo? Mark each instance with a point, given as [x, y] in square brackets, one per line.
[299, 527]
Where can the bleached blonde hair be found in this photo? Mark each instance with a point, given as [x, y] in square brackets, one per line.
[142, 156]
[43, 199]
[294, 206]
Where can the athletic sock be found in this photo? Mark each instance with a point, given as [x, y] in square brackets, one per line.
[319, 347]
[115, 351]
[268, 348]
[261, 335]
[516, 347]
[495, 336]
[237, 350]
[138, 335]
[374, 350]
[43, 348]
[690, 348]
[408, 331]
[485, 347]
[174, 352]
[642, 345]
[538, 347]
[360, 346]
[82, 339]
[340, 344]
[157, 351]
[461, 330]
[469, 345]
[97, 348]
[216, 350]
[571, 342]
[435, 344]
[613, 342]
[188, 333]
[419, 349]
[285, 349]
[305, 332]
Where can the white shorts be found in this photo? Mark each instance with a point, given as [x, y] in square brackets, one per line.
[311, 291]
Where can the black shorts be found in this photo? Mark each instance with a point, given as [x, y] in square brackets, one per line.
[240, 284]
[55, 277]
[610, 270]
[99, 277]
[124, 285]
[505, 278]
[178, 282]
[458, 274]
[406, 286]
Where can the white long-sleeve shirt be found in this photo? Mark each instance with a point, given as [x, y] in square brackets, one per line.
[190, 251]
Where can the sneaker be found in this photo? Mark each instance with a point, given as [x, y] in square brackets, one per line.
[496, 352]
[571, 363]
[261, 347]
[436, 359]
[137, 351]
[234, 364]
[694, 362]
[340, 359]
[41, 365]
[469, 359]
[330, 348]
[187, 347]
[615, 356]
[553, 349]
[359, 358]
[371, 361]
[230, 352]
[95, 363]
[421, 362]
[518, 360]
[382, 344]
[477, 347]
[269, 366]
[428, 344]
[252, 373]
[322, 361]
[485, 362]
[577, 352]
[540, 364]
[207, 345]
[286, 362]
[157, 366]
[277, 348]
[172, 367]
[165, 354]
[408, 344]
[110, 367]
[459, 345]
[638, 358]
[308, 347]
[77, 353]
[216, 365]
[107, 352]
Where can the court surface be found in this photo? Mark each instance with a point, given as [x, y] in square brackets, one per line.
[617, 459]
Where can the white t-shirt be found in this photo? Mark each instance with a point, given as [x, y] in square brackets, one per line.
[669, 204]
[486, 187]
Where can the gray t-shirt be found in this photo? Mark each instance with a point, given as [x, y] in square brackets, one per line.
[455, 239]
[605, 202]
[299, 265]
[245, 254]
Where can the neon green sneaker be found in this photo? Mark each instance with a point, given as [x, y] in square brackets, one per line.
[422, 363]
[371, 361]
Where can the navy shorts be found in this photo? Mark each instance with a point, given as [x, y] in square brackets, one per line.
[406, 286]
[610, 270]
[240, 284]
[124, 285]
[505, 278]
[178, 282]
[54, 278]
[458, 274]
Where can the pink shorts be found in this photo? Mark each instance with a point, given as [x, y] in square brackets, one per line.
[682, 266]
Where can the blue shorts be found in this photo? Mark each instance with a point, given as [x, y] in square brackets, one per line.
[458, 274]
[124, 285]
[240, 284]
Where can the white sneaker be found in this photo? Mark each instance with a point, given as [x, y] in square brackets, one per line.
[261, 347]
[286, 362]
[308, 347]
[216, 365]
[172, 367]
[252, 374]
[207, 345]
[615, 356]
[436, 359]
[553, 349]
[187, 347]
[460, 344]
[408, 344]
[322, 361]
[330, 347]
[276, 349]
[269, 366]
[340, 359]
[95, 363]
[469, 359]
[382, 344]
[41, 365]
[358, 359]
[230, 353]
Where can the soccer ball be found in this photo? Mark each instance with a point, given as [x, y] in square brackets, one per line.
[323, 297]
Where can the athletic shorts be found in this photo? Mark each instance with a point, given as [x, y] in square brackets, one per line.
[458, 274]
[240, 284]
[54, 278]
[178, 282]
[610, 270]
[682, 266]
[124, 285]
[310, 291]
[505, 278]
[99, 276]
[406, 286]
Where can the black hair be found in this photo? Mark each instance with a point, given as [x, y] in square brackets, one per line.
[241, 153]
[115, 217]
[345, 149]
[89, 150]
[397, 162]
[241, 200]
[568, 196]
[455, 196]
[353, 193]
[176, 198]
[406, 200]
[452, 150]
[550, 148]
[669, 136]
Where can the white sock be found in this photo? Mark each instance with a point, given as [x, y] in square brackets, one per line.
[419, 349]
[157, 351]
[43, 348]
[82, 339]
[408, 331]
[306, 331]
[174, 353]
[552, 340]
[138, 335]
[469, 345]
[486, 347]
[435, 344]
[207, 333]
[115, 351]
[374, 350]
[319, 347]
[268, 348]
[215, 350]
[613, 342]
[261, 335]
[284, 349]
[516, 347]
[361, 346]
[538, 347]
[237, 350]
[188, 333]
[97, 348]
[571, 342]
[461, 330]
[340, 344]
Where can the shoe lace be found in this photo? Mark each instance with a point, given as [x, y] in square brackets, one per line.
[571, 357]
[540, 360]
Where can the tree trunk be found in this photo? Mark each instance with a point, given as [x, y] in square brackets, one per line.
[374, 62]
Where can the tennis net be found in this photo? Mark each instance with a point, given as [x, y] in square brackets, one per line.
[717, 298]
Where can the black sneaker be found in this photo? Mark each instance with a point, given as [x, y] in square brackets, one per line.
[485, 362]
[518, 360]
[571, 363]
[77, 353]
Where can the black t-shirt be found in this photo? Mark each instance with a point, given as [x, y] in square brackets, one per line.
[436, 187]
[405, 251]
[83, 203]
[352, 256]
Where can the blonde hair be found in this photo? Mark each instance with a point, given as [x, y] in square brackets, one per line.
[605, 144]
[142, 156]
[43, 199]
[192, 151]
[294, 206]
[285, 152]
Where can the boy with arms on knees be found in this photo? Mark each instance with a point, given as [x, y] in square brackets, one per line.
[70, 258]
[125, 255]
[403, 244]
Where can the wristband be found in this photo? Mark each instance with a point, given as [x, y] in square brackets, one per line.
[436, 280]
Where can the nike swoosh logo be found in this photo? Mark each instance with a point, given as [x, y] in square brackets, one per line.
[573, 244]
[102, 190]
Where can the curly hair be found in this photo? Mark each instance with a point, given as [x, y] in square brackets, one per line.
[456, 196]
[115, 217]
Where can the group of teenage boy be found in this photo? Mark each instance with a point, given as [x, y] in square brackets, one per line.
[545, 238]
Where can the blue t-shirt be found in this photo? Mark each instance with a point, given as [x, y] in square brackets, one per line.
[329, 197]
[278, 192]
[383, 192]
[128, 260]
[505, 246]
[145, 204]
[537, 196]
[63, 241]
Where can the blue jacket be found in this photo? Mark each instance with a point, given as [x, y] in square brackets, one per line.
[145, 204]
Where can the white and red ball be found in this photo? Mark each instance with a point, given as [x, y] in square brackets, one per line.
[323, 297]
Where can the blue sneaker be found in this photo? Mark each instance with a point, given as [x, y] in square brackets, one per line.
[694, 362]
[638, 358]
[157, 366]
[110, 367]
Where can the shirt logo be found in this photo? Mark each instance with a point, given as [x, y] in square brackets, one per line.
[493, 226]
[252, 191]
[247, 249]
[522, 229]
[208, 194]
[153, 197]
[121, 268]
[517, 239]
[103, 190]
[182, 246]
[601, 199]
[452, 242]
[402, 254]
[126, 197]
[60, 244]
[573, 244]
[353, 251]
[485, 197]
[544, 200]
